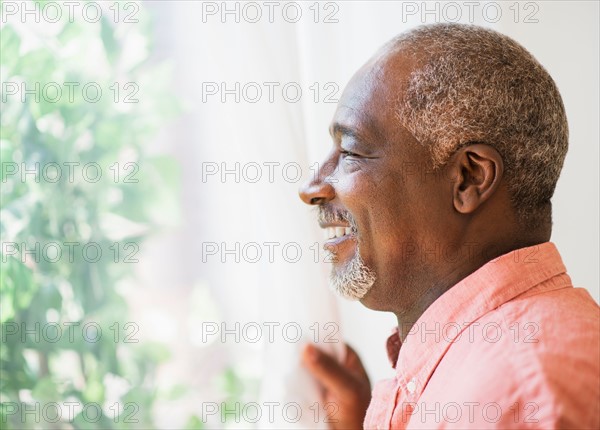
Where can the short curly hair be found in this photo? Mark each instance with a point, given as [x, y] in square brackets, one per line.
[473, 84]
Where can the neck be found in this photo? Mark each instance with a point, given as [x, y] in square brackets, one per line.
[446, 279]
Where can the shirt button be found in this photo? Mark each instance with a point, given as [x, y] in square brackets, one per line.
[411, 386]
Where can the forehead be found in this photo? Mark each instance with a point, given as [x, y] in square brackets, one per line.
[368, 103]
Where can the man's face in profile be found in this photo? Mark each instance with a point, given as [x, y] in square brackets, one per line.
[375, 185]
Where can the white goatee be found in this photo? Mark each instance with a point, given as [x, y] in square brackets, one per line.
[354, 280]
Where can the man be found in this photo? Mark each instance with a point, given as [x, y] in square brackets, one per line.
[448, 145]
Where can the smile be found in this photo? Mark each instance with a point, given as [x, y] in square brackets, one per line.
[336, 232]
[336, 236]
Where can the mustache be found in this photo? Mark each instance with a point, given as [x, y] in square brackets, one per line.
[327, 214]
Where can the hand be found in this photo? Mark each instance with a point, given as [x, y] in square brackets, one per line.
[346, 385]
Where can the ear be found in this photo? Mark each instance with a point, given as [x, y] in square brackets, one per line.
[479, 170]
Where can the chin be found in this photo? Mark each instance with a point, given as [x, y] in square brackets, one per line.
[377, 299]
[370, 299]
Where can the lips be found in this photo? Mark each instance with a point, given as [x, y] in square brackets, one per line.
[337, 225]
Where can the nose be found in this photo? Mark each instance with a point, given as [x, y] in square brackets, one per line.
[317, 191]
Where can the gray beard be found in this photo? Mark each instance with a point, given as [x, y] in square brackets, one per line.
[354, 280]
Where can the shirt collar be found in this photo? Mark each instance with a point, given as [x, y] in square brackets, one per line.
[492, 285]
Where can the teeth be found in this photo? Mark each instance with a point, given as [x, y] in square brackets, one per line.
[334, 232]
[330, 232]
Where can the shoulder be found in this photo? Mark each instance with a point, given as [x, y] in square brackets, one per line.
[553, 348]
[534, 361]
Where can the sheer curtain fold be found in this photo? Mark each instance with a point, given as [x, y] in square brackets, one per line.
[288, 296]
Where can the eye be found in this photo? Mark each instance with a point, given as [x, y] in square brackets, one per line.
[346, 153]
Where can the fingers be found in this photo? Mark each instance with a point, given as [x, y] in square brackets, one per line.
[353, 363]
[328, 371]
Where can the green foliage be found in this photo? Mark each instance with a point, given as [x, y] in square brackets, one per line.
[112, 210]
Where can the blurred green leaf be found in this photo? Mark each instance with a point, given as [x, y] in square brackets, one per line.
[45, 390]
[111, 46]
[10, 43]
[194, 423]
[38, 292]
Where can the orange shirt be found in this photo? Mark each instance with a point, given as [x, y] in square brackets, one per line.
[513, 345]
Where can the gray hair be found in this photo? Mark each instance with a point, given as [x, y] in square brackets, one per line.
[473, 84]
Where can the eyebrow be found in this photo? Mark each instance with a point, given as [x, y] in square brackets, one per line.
[338, 128]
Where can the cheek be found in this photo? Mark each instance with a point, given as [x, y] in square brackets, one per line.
[354, 188]
[392, 207]
[398, 220]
